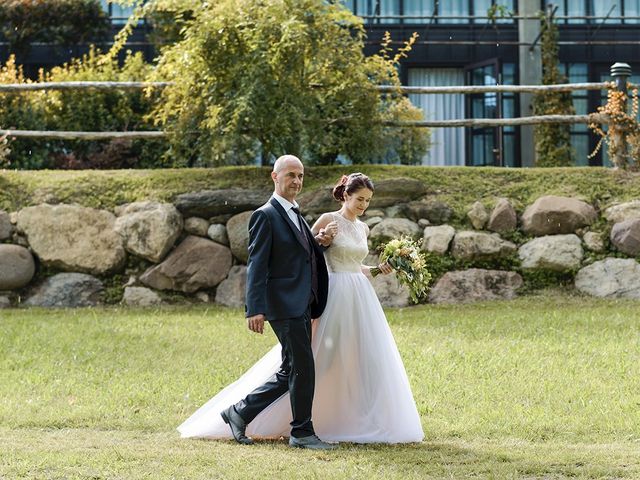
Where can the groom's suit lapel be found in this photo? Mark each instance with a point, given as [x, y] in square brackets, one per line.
[299, 234]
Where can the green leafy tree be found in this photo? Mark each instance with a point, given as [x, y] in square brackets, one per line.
[63, 22]
[553, 141]
[265, 77]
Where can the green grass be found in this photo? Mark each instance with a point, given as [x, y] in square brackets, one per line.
[542, 387]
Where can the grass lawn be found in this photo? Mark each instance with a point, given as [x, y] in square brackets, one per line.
[540, 387]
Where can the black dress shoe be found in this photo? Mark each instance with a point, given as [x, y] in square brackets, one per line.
[312, 442]
[237, 425]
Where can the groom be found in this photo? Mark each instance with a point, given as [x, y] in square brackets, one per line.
[287, 285]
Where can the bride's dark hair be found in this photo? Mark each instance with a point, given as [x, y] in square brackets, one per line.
[350, 184]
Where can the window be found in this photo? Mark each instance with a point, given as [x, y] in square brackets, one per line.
[578, 73]
[119, 14]
[481, 8]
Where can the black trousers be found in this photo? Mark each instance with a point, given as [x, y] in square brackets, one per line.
[296, 376]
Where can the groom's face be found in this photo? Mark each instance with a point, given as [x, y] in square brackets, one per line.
[288, 181]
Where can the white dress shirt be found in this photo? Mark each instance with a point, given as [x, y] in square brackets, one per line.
[287, 205]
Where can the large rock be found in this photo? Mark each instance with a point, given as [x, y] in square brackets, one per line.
[318, 201]
[473, 285]
[397, 190]
[625, 236]
[552, 252]
[389, 291]
[196, 226]
[231, 292]
[550, 215]
[16, 267]
[238, 233]
[194, 264]
[611, 277]
[471, 245]
[5, 225]
[67, 290]
[149, 229]
[5, 302]
[140, 297]
[391, 228]
[435, 211]
[478, 215]
[437, 239]
[623, 211]
[210, 203]
[73, 238]
[503, 217]
[218, 233]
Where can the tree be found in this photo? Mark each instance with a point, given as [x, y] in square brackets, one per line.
[267, 77]
[62, 22]
[553, 141]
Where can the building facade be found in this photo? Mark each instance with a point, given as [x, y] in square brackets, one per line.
[474, 42]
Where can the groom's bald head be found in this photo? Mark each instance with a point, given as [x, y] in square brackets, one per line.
[287, 175]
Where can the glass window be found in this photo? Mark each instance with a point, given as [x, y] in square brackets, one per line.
[632, 9]
[601, 9]
[418, 8]
[378, 9]
[349, 4]
[453, 8]
[571, 8]
[481, 7]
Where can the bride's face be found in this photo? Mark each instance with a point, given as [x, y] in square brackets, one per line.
[358, 201]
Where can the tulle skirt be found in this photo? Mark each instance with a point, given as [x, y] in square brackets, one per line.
[362, 392]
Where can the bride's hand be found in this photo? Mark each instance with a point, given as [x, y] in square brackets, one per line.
[385, 268]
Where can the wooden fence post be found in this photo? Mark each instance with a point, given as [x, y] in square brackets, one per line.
[620, 72]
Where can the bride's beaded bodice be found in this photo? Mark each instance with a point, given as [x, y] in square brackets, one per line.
[349, 247]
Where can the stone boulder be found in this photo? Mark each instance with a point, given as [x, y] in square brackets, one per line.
[238, 233]
[594, 241]
[552, 252]
[611, 277]
[623, 211]
[474, 285]
[478, 215]
[196, 226]
[318, 201]
[503, 217]
[435, 211]
[67, 290]
[471, 245]
[625, 236]
[391, 228]
[218, 233]
[231, 292]
[5, 225]
[73, 238]
[16, 267]
[140, 297]
[149, 229]
[389, 291]
[550, 215]
[397, 190]
[194, 264]
[5, 302]
[211, 203]
[437, 239]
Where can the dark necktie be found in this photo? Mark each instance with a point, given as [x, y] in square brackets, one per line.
[306, 235]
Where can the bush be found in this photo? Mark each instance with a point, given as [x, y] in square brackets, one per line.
[82, 110]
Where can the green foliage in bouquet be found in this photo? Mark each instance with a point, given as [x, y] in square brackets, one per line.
[410, 266]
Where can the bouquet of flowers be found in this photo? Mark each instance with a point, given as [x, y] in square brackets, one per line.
[403, 254]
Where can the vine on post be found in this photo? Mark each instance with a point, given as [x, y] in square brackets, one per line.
[623, 133]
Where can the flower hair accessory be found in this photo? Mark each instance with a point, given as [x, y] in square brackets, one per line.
[344, 180]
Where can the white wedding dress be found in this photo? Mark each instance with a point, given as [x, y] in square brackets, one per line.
[362, 392]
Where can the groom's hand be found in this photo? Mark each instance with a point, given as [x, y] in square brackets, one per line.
[256, 323]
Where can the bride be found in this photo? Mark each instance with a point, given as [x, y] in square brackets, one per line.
[362, 392]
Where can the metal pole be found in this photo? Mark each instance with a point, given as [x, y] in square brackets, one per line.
[620, 72]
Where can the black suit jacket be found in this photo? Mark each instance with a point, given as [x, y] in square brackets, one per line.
[279, 267]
